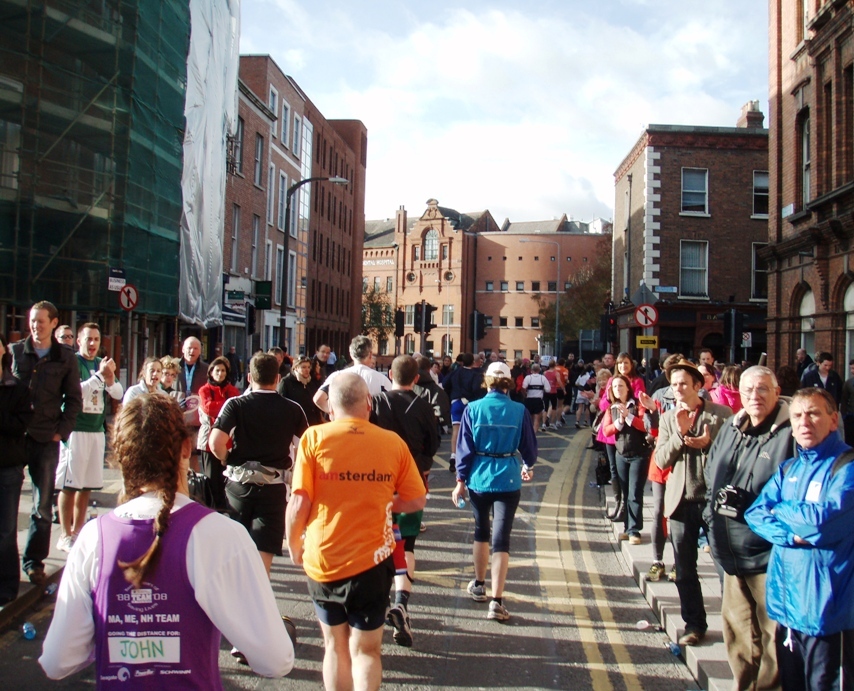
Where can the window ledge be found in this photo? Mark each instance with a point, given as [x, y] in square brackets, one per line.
[695, 214]
[698, 298]
[763, 300]
[759, 217]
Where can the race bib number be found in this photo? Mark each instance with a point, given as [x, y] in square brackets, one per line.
[813, 491]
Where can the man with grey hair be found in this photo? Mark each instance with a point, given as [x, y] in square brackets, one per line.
[744, 456]
[361, 474]
[362, 353]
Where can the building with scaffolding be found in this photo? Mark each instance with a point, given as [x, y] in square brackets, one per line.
[92, 99]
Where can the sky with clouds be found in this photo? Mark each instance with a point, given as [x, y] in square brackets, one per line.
[522, 109]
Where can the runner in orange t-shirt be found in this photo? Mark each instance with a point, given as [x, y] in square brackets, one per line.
[349, 477]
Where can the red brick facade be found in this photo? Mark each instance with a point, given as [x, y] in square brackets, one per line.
[690, 213]
[811, 145]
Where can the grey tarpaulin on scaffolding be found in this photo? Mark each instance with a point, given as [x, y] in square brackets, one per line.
[211, 114]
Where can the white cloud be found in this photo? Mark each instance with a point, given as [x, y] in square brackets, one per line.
[527, 114]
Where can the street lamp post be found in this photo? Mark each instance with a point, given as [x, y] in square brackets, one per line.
[283, 296]
[557, 290]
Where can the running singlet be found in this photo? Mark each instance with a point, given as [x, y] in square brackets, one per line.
[155, 637]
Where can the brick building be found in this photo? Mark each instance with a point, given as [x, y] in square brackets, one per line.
[461, 262]
[691, 214]
[283, 140]
[811, 145]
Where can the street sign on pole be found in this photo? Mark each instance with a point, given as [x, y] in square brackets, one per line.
[646, 341]
[646, 315]
[747, 339]
[128, 297]
[116, 280]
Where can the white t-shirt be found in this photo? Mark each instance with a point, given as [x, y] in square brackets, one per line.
[377, 381]
[225, 571]
[536, 386]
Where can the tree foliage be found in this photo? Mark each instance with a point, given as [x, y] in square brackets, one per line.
[581, 303]
[377, 313]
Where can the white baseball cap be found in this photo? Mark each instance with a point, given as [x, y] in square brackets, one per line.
[498, 369]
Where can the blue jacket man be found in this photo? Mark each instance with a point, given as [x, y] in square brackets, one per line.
[806, 511]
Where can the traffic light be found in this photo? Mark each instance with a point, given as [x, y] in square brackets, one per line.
[608, 330]
[428, 317]
[398, 323]
[418, 317]
[478, 325]
[250, 318]
[263, 294]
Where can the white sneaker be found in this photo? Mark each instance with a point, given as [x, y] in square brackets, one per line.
[66, 542]
[398, 617]
[477, 592]
[497, 611]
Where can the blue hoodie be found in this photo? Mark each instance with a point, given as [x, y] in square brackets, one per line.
[809, 588]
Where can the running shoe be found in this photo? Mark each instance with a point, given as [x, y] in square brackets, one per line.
[672, 575]
[66, 542]
[497, 611]
[399, 619]
[240, 657]
[656, 572]
[477, 592]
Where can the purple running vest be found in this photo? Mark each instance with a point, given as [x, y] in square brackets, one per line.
[156, 637]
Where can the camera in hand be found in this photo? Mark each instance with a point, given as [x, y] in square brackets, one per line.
[732, 501]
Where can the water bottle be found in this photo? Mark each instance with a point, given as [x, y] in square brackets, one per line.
[29, 631]
[674, 648]
[93, 511]
[642, 625]
[461, 503]
[51, 589]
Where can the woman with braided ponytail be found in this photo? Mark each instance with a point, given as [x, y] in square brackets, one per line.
[149, 586]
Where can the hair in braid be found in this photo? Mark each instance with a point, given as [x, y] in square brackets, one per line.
[147, 440]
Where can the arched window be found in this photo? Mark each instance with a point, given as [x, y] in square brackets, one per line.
[431, 245]
[447, 345]
[848, 306]
[807, 314]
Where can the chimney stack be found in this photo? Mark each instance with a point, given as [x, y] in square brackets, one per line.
[751, 117]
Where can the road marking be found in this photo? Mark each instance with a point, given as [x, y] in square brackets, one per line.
[555, 539]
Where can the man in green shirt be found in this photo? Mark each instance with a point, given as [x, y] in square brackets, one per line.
[81, 458]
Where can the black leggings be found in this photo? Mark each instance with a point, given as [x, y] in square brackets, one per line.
[503, 505]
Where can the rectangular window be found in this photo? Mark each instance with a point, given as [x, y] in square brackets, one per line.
[274, 104]
[760, 193]
[283, 195]
[502, 321]
[520, 321]
[805, 159]
[444, 251]
[389, 281]
[292, 278]
[489, 286]
[383, 346]
[376, 284]
[825, 158]
[535, 286]
[297, 136]
[235, 233]
[280, 258]
[259, 160]
[416, 252]
[488, 321]
[759, 291]
[552, 287]
[520, 285]
[268, 261]
[271, 194]
[286, 122]
[693, 268]
[256, 237]
[695, 191]
[517, 354]
[447, 315]
[238, 146]
[504, 286]
[409, 315]
[535, 322]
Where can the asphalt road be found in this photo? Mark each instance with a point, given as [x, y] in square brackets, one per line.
[573, 603]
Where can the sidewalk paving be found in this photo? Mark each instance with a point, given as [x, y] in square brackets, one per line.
[29, 594]
[707, 661]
